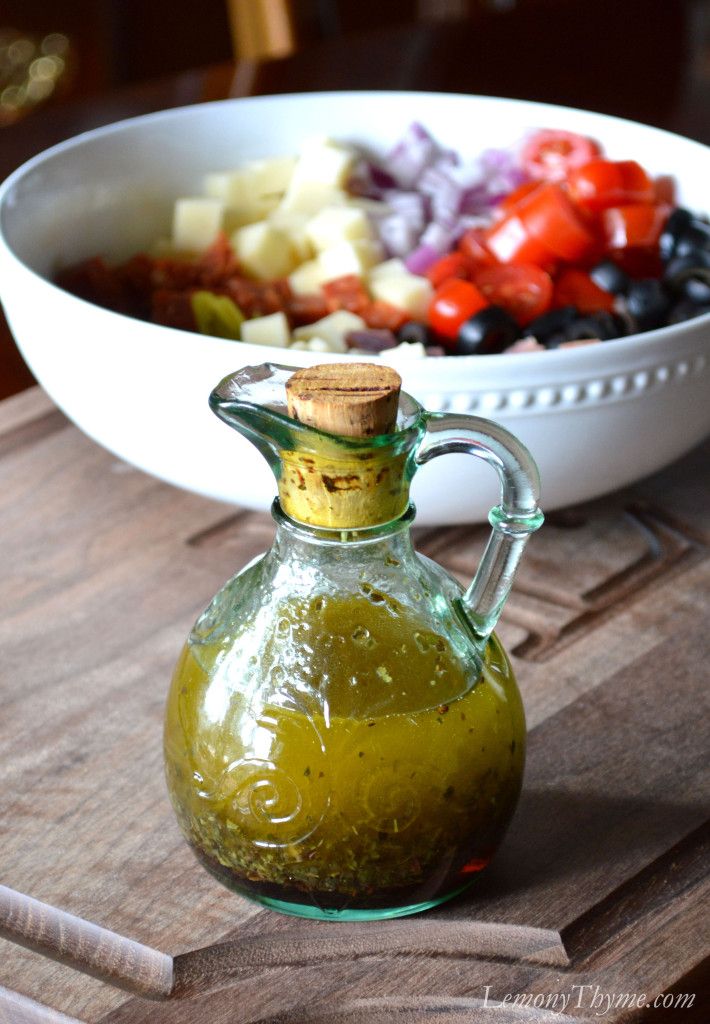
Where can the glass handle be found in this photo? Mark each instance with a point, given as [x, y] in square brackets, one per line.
[513, 520]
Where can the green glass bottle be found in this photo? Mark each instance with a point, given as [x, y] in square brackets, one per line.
[344, 737]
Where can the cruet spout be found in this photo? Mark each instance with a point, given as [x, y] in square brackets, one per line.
[253, 401]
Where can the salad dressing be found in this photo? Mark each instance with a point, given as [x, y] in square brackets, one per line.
[387, 768]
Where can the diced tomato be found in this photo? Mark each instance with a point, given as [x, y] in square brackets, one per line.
[346, 292]
[604, 183]
[384, 316]
[135, 276]
[255, 298]
[473, 244]
[664, 189]
[549, 216]
[173, 309]
[94, 281]
[575, 288]
[506, 204]
[305, 309]
[454, 301]
[454, 264]
[511, 242]
[639, 263]
[524, 291]
[217, 263]
[637, 226]
[551, 153]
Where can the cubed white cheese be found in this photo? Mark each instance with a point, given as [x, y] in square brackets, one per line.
[311, 196]
[376, 207]
[349, 258]
[306, 279]
[272, 176]
[293, 223]
[196, 223]
[243, 204]
[267, 330]
[222, 184]
[313, 345]
[263, 250]
[335, 224]
[393, 266]
[323, 161]
[405, 291]
[404, 352]
[332, 329]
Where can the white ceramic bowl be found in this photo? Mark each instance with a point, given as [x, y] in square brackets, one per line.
[595, 417]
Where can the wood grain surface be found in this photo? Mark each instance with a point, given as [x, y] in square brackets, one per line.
[602, 880]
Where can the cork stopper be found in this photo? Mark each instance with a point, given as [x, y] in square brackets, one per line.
[345, 486]
[350, 399]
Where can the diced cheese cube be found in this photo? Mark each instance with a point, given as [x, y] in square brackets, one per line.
[226, 185]
[403, 352]
[319, 345]
[335, 224]
[312, 345]
[332, 329]
[242, 193]
[405, 291]
[311, 196]
[272, 176]
[374, 206]
[263, 250]
[393, 266]
[196, 223]
[306, 279]
[323, 161]
[293, 223]
[267, 330]
[349, 258]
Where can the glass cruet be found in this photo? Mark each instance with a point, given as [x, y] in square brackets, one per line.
[344, 737]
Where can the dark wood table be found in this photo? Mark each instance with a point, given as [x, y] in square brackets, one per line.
[600, 893]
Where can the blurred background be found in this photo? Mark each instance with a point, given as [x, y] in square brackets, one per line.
[620, 55]
[68, 67]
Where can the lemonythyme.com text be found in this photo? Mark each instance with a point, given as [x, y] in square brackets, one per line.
[590, 997]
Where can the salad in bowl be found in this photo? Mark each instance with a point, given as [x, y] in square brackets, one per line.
[545, 244]
[160, 230]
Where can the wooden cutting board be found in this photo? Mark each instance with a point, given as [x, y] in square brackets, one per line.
[602, 880]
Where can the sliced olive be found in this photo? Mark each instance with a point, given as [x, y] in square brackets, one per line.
[600, 325]
[488, 331]
[676, 224]
[552, 322]
[648, 303]
[682, 266]
[609, 276]
[686, 309]
[414, 331]
[694, 240]
[626, 323]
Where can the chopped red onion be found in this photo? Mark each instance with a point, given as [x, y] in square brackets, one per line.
[438, 237]
[411, 205]
[415, 151]
[445, 194]
[396, 234]
[419, 261]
